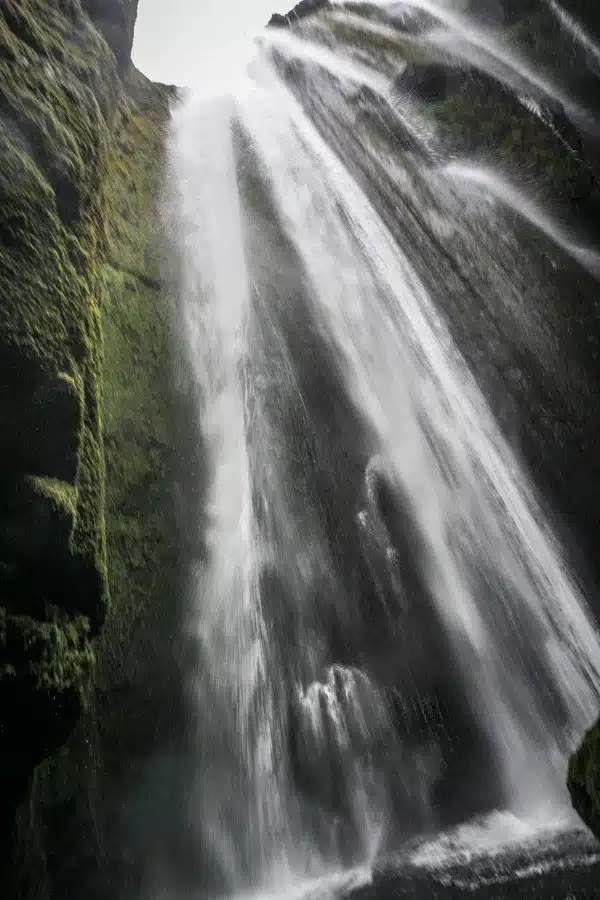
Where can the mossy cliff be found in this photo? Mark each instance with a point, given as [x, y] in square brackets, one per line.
[87, 543]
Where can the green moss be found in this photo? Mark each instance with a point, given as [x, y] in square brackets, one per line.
[57, 656]
[58, 90]
[488, 122]
[62, 496]
[584, 780]
[132, 707]
[139, 434]
[59, 99]
[83, 395]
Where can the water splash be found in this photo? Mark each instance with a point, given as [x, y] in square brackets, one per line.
[293, 47]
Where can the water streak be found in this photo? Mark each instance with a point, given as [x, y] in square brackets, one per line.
[532, 212]
[361, 499]
[576, 30]
[344, 68]
[482, 48]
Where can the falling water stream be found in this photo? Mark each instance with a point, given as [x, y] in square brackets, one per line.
[390, 644]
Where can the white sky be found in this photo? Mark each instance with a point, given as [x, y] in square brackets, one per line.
[183, 41]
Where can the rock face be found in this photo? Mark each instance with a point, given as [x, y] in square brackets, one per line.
[115, 19]
[584, 780]
[501, 12]
[81, 139]
[478, 118]
[58, 89]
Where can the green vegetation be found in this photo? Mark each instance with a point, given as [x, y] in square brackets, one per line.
[133, 706]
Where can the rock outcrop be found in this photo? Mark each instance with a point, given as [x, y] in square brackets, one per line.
[584, 780]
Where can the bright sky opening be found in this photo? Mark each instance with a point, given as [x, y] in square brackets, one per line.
[186, 41]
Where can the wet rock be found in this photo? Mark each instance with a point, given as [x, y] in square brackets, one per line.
[587, 12]
[410, 19]
[584, 780]
[501, 12]
[478, 115]
[430, 82]
[115, 19]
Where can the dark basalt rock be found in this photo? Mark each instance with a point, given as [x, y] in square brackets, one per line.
[53, 591]
[584, 780]
[278, 21]
[430, 82]
[489, 13]
[115, 19]
[501, 12]
[477, 114]
[587, 12]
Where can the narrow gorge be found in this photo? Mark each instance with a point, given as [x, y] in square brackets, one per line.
[299, 405]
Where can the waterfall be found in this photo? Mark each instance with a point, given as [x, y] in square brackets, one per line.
[389, 641]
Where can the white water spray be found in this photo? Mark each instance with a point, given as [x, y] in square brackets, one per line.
[288, 276]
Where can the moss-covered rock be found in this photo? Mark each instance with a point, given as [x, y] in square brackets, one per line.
[82, 795]
[80, 159]
[584, 780]
[58, 95]
[481, 117]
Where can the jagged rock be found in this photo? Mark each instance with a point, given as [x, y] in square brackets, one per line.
[133, 688]
[51, 522]
[300, 11]
[278, 21]
[464, 98]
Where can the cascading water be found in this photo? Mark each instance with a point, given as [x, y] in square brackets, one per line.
[389, 641]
